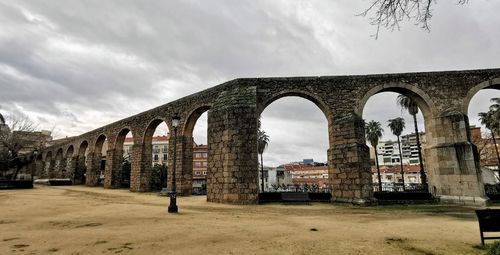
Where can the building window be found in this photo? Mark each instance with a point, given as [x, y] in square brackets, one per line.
[197, 172]
[197, 164]
[155, 157]
[204, 172]
[165, 148]
[205, 155]
[197, 155]
[165, 156]
[205, 163]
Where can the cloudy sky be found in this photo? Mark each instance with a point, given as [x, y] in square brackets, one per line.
[74, 66]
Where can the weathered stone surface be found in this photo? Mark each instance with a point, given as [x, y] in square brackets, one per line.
[235, 106]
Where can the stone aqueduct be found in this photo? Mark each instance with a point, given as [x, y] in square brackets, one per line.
[234, 107]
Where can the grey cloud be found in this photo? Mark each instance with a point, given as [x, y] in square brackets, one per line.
[84, 64]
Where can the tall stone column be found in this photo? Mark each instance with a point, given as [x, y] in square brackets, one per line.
[349, 162]
[232, 148]
[57, 169]
[38, 174]
[48, 166]
[184, 165]
[71, 167]
[113, 171]
[452, 161]
[93, 169]
[141, 168]
[80, 170]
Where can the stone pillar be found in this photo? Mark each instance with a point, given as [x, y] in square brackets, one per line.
[141, 168]
[93, 169]
[113, 171]
[349, 162]
[71, 168]
[57, 169]
[232, 148]
[80, 170]
[38, 174]
[48, 166]
[452, 161]
[184, 165]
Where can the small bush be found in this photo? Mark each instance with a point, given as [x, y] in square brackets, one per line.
[494, 249]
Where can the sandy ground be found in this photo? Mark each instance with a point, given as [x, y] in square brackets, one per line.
[82, 220]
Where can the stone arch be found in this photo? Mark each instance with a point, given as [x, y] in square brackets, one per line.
[490, 84]
[318, 101]
[69, 163]
[423, 100]
[99, 143]
[192, 117]
[187, 158]
[69, 152]
[120, 138]
[120, 170]
[151, 127]
[141, 170]
[79, 176]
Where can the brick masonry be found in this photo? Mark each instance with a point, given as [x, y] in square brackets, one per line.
[235, 106]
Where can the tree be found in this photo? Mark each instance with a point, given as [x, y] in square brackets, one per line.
[397, 125]
[411, 106]
[389, 13]
[491, 121]
[158, 176]
[373, 134]
[262, 142]
[18, 143]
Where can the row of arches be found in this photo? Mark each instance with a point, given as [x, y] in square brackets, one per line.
[85, 155]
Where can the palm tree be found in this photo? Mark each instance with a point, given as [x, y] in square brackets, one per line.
[262, 142]
[491, 121]
[397, 125]
[411, 106]
[373, 134]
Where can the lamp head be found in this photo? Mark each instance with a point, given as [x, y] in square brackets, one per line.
[175, 120]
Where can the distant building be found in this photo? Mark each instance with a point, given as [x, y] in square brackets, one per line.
[392, 174]
[388, 151]
[160, 156]
[200, 165]
[160, 149]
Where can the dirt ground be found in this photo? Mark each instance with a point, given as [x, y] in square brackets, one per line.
[82, 220]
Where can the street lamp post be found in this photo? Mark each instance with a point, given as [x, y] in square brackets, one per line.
[172, 208]
[35, 154]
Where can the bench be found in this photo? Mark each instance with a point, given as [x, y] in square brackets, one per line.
[295, 197]
[489, 221]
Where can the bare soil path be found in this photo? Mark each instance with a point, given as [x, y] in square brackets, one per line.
[83, 220]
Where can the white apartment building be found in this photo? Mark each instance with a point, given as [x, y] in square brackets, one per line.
[388, 151]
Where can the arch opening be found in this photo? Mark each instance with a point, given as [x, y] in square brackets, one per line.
[295, 158]
[397, 161]
[79, 176]
[195, 130]
[155, 154]
[100, 156]
[479, 105]
[69, 168]
[124, 152]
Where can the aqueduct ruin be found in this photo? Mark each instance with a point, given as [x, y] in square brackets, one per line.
[234, 107]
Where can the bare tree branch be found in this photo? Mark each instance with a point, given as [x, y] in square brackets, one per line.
[389, 13]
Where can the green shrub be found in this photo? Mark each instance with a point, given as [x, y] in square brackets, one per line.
[494, 249]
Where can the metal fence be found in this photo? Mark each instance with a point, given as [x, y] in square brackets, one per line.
[398, 187]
